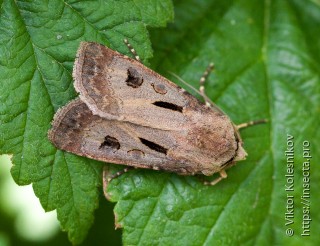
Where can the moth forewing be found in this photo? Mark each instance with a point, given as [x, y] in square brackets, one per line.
[118, 87]
[128, 114]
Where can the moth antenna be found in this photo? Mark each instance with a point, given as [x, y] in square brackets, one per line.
[191, 87]
[202, 81]
[223, 175]
[251, 123]
[207, 99]
[132, 50]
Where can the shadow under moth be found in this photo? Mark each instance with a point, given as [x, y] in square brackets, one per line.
[128, 114]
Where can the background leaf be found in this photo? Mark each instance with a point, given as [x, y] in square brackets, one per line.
[38, 43]
[267, 66]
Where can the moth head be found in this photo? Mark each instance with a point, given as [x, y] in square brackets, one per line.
[241, 153]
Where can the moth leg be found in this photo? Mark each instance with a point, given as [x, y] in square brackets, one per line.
[203, 80]
[132, 50]
[106, 178]
[119, 173]
[251, 123]
[223, 175]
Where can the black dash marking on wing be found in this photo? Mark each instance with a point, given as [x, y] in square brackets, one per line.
[167, 105]
[154, 146]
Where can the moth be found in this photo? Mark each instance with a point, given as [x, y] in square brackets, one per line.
[128, 114]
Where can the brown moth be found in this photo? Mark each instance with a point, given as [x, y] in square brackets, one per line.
[129, 114]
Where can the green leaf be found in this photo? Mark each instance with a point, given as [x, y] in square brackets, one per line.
[38, 43]
[267, 57]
